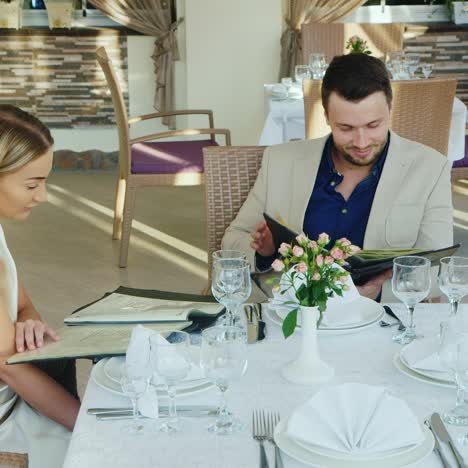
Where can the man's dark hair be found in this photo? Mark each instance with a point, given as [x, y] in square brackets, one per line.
[354, 77]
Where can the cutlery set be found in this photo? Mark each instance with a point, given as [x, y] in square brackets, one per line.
[439, 431]
[192, 411]
[390, 312]
[263, 428]
[255, 324]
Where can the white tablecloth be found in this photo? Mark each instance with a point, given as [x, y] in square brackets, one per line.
[284, 121]
[360, 357]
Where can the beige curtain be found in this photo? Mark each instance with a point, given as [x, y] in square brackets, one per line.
[308, 11]
[152, 18]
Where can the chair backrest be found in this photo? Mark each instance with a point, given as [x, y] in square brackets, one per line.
[331, 38]
[315, 122]
[119, 108]
[422, 111]
[13, 460]
[230, 172]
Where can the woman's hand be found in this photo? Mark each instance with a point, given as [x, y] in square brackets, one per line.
[30, 334]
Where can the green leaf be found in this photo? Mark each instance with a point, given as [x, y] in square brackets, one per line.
[289, 323]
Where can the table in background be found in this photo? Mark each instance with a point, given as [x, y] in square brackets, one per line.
[284, 121]
[365, 357]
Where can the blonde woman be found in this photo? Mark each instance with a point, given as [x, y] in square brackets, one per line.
[36, 413]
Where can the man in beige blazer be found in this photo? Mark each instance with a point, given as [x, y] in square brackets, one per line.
[411, 206]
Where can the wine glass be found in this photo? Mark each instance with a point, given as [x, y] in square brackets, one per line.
[301, 72]
[453, 354]
[171, 363]
[223, 358]
[230, 284]
[133, 386]
[411, 283]
[427, 69]
[453, 280]
[317, 64]
[413, 65]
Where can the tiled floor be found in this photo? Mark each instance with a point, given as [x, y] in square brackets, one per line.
[66, 257]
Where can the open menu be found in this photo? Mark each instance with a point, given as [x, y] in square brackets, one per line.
[367, 263]
[104, 327]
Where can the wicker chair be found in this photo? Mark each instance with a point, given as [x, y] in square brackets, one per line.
[13, 460]
[331, 38]
[230, 173]
[422, 111]
[143, 162]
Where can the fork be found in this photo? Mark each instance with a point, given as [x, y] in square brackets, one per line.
[259, 433]
[273, 420]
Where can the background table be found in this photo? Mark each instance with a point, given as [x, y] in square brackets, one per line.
[364, 357]
[284, 121]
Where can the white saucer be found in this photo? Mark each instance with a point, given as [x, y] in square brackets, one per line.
[310, 457]
[100, 378]
[415, 375]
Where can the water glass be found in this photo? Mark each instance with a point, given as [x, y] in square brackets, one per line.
[453, 280]
[220, 254]
[223, 358]
[301, 72]
[171, 364]
[411, 283]
[231, 284]
[453, 355]
[427, 69]
[133, 386]
[317, 65]
[413, 65]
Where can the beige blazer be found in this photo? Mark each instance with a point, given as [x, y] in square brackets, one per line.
[412, 207]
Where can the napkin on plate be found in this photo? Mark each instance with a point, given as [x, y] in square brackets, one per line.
[355, 419]
[339, 309]
[423, 355]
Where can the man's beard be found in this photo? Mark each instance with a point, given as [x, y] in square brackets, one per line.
[377, 149]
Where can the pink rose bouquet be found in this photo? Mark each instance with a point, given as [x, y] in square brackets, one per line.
[356, 45]
[313, 272]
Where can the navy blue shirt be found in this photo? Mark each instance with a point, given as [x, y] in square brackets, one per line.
[329, 212]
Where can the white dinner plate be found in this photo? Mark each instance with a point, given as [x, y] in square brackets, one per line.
[369, 312]
[113, 370]
[415, 375]
[101, 379]
[421, 347]
[311, 457]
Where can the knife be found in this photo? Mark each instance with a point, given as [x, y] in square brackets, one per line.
[437, 449]
[252, 328]
[441, 432]
[163, 408]
[162, 414]
[261, 323]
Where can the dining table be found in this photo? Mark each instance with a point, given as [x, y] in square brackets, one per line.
[284, 121]
[365, 355]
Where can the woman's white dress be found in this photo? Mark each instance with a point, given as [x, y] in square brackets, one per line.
[25, 430]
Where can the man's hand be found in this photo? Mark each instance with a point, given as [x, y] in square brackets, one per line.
[31, 333]
[262, 240]
[372, 288]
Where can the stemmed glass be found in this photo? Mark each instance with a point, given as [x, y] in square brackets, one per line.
[301, 72]
[223, 357]
[413, 65]
[230, 284]
[170, 361]
[453, 280]
[453, 354]
[427, 69]
[134, 383]
[411, 283]
[317, 64]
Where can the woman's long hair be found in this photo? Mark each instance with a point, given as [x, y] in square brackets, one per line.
[23, 138]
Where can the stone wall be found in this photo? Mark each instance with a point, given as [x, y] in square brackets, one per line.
[55, 75]
[444, 44]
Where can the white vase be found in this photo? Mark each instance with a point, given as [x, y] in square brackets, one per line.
[308, 368]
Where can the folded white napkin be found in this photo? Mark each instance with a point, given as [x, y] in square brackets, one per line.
[423, 355]
[279, 91]
[339, 311]
[355, 419]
